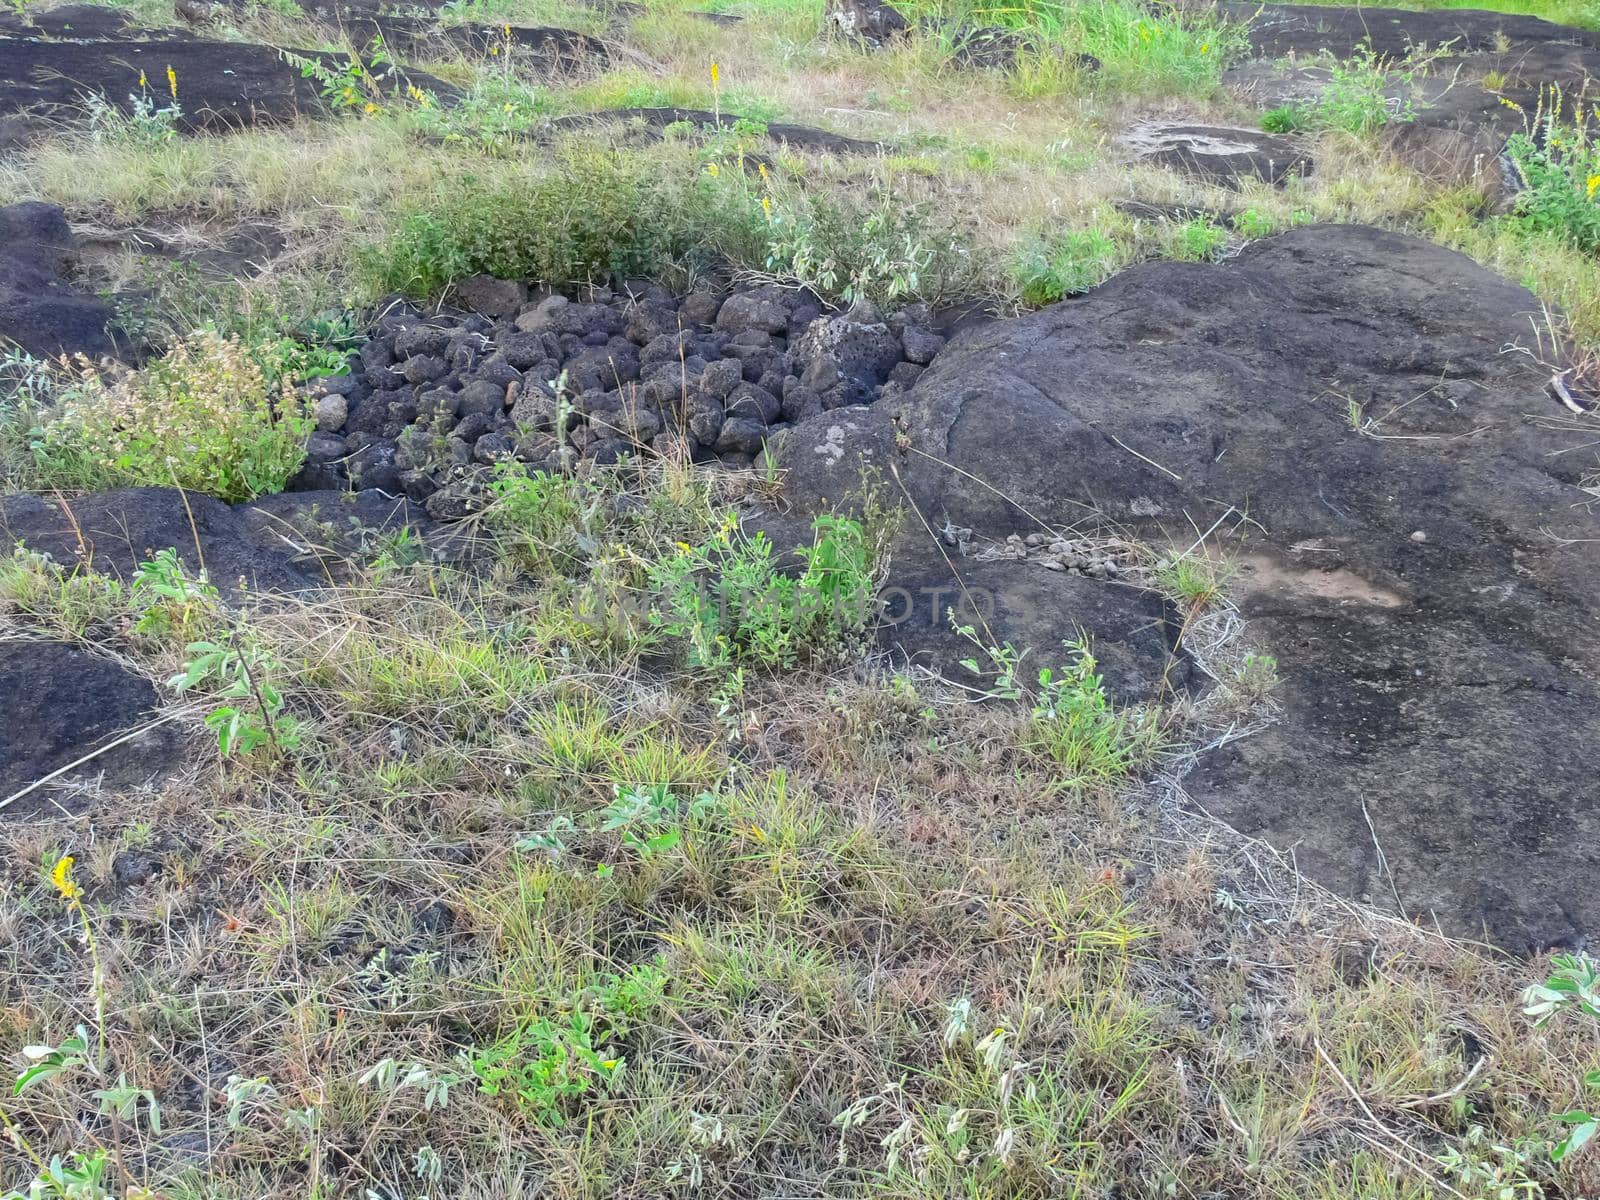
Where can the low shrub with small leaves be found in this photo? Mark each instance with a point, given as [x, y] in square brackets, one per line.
[203, 417]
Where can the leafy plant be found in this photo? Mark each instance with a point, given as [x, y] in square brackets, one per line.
[146, 123]
[884, 250]
[547, 1062]
[1196, 240]
[1355, 98]
[1068, 264]
[78, 1176]
[1559, 161]
[241, 671]
[1073, 722]
[728, 598]
[355, 85]
[169, 600]
[1572, 986]
[203, 417]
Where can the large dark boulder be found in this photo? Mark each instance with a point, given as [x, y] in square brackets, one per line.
[1306, 30]
[40, 309]
[60, 704]
[1363, 416]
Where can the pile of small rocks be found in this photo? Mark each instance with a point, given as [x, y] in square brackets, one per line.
[1097, 558]
[434, 400]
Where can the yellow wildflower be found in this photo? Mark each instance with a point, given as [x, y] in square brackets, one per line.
[370, 108]
[1205, 47]
[762, 168]
[713, 170]
[143, 82]
[1593, 186]
[172, 81]
[766, 206]
[683, 547]
[62, 878]
[716, 74]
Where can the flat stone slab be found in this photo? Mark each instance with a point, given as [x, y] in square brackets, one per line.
[1417, 546]
[1219, 154]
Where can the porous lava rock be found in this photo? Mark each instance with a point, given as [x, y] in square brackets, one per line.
[1360, 412]
[1220, 154]
[59, 704]
[802, 137]
[436, 399]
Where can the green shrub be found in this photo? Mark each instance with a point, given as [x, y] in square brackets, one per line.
[1074, 725]
[594, 212]
[1068, 264]
[884, 249]
[1573, 986]
[730, 601]
[1287, 118]
[203, 417]
[1560, 167]
[1355, 99]
[1197, 240]
[549, 1061]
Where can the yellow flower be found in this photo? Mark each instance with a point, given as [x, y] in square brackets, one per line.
[370, 108]
[143, 82]
[1593, 186]
[1205, 47]
[766, 206]
[62, 878]
[716, 74]
[683, 548]
[172, 81]
[713, 170]
[762, 169]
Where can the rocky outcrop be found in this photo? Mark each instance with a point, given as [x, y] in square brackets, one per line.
[49, 65]
[1360, 416]
[1499, 70]
[42, 310]
[60, 704]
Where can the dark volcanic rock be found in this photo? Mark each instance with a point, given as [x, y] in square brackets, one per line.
[59, 703]
[1221, 154]
[1421, 556]
[1459, 125]
[1304, 30]
[543, 49]
[282, 543]
[220, 85]
[40, 310]
[805, 137]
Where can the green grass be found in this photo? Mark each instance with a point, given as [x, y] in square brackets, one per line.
[1138, 49]
[524, 909]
